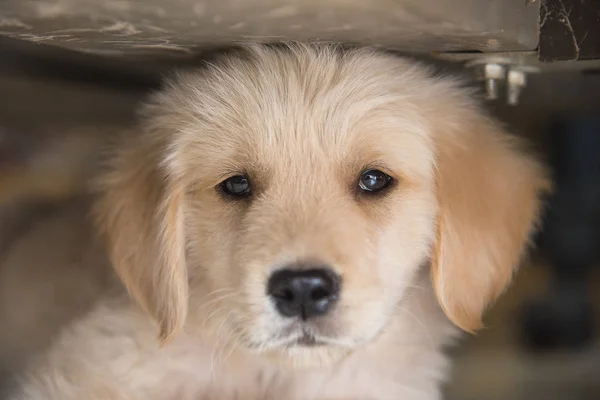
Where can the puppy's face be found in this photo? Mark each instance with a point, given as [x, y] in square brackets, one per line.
[310, 205]
[309, 218]
[300, 190]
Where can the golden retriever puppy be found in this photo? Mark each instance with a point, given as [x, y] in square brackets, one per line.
[293, 222]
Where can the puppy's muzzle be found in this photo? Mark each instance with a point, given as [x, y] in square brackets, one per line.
[304, 293]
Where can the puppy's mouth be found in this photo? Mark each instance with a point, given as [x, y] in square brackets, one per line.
[306, 339]
[296, 339]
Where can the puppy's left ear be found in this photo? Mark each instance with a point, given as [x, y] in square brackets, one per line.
[139, 211]
[489, 197]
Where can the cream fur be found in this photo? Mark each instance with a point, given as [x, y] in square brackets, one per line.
[302, 121]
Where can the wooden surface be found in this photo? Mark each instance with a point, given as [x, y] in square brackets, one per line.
[166, 28]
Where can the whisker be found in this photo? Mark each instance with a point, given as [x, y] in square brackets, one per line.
[219, 339]
[423, 328]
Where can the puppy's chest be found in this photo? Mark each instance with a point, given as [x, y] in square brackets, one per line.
[351, 380]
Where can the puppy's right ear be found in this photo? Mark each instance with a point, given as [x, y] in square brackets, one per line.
[489, 193]
[139, 212]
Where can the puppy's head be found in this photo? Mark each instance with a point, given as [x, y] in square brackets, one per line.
[294, 193]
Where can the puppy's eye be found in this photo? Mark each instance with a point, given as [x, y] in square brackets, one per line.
[374, 180]
[237, 186]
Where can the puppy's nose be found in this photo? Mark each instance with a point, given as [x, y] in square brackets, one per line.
[304, 293]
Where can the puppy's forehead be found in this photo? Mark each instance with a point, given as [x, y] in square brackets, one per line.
[271, 105]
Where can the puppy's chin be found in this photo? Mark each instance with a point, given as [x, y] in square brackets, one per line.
[306, 357]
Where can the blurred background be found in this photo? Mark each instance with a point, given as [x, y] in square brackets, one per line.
[72, 71]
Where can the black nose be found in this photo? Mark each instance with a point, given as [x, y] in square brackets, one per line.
[304, 293]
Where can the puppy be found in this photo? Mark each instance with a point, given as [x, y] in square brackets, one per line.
[293, 222]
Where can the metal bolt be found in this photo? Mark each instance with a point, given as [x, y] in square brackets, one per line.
[493, 73]
[517, 79]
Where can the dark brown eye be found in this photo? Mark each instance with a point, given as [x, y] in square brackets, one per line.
[374, 180]
[236, 186]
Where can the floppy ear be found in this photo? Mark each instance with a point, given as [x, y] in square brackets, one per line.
[488, 192]
[140, 214]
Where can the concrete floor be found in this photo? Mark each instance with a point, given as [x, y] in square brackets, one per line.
[495, 366]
